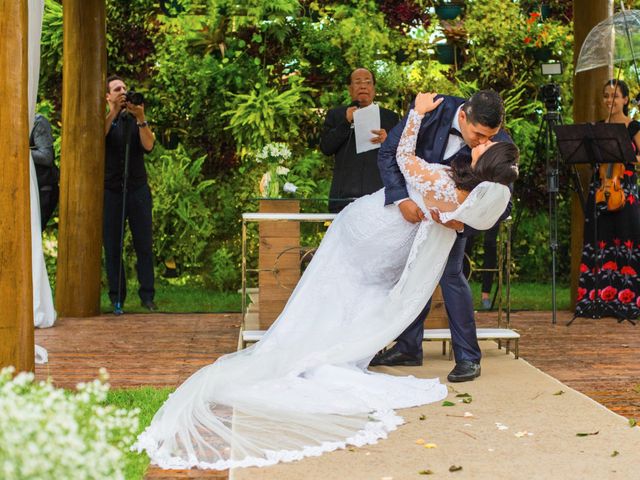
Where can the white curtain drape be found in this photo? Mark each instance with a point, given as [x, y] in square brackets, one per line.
[44, 314]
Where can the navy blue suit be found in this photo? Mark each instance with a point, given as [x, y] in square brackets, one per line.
[431, 145]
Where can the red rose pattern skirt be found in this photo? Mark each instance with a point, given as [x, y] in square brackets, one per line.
[609, 283]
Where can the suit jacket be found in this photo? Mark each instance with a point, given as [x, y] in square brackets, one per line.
[354, 174]
[433, 137]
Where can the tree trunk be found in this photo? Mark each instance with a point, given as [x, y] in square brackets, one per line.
[587, 107]
[82, 159]
[16, 289]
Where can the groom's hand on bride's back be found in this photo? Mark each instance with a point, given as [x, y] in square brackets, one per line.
[411, 211]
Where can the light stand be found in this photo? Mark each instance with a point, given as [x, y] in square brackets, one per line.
[545, 143]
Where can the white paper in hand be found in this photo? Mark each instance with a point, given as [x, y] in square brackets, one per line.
[364, 120]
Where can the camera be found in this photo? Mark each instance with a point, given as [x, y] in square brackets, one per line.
[134, 97]
[551, 96]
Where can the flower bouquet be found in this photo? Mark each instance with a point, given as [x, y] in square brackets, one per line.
[274, 181]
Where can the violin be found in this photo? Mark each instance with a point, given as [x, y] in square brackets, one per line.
[610, 191]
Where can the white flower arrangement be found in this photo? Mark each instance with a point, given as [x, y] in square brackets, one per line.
[274, 156]
[48, 433]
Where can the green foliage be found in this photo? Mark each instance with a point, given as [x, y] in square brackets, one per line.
[223, 274]
[264, 114]
[226, 77]
[182, 219]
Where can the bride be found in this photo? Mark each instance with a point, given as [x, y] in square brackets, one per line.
[304, 389]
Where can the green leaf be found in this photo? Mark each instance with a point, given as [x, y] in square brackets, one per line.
[587, 434]
[463, 395]
[425, 472]
[633, 422]
[467, 400]
[447, 403]
[559, 392]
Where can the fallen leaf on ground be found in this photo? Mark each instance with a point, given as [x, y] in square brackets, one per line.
[462, 395]
[420, 441]
[430, 445]
[425, 472]
[447, 403]
[559, 392]
[586, 434]
[615, 453]
[637, 388]
[422, 417]
[455, 468]
[633, 422]
[467, 400]
[351, 449]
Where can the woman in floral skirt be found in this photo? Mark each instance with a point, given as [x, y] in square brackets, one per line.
[609, 283]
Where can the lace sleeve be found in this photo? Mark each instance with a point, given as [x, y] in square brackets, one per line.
[430, 180]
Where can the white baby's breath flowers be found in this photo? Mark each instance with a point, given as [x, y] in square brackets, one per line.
[49, 433]
[274, 153]
[289, 187]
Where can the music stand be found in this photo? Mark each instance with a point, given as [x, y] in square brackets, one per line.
[594, 143]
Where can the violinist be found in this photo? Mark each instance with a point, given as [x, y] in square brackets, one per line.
[609, 284]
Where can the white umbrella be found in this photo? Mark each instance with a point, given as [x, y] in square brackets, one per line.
[613, 41]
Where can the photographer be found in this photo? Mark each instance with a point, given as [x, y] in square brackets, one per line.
[126, 124]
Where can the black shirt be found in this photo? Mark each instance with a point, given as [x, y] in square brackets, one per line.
[115, 155]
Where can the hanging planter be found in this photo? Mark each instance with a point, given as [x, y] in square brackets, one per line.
[545, 11]
[448, 11]
[542, 54]
[446, 53]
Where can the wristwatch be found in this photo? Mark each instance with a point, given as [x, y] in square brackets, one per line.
[142, 124]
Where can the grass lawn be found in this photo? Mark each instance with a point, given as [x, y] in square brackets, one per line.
[148, 400]
[194, 298]
[175, 298]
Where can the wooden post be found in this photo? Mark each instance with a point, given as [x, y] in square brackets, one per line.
[82, 158]
[279, 260]
[16, 289]
[587, 107]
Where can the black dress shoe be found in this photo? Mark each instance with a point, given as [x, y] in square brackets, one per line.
[150, 305]
[464, 371]
[395, 358]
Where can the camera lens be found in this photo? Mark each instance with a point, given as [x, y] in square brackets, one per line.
[135, 97]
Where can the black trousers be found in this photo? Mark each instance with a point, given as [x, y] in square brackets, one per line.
[138, 216]
[48, 202]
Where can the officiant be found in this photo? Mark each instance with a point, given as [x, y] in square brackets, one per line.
[353, 134]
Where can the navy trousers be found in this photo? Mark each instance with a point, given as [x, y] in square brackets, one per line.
[138, 216]
[458, 302]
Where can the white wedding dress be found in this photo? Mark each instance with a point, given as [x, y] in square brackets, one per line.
[304, 389]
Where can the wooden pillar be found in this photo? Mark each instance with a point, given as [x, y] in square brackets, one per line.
[16, 289]
[587, 107]
[82, 158]
[279, 260]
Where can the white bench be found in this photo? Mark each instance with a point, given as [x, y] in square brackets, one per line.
[435, 334]
[500, 334]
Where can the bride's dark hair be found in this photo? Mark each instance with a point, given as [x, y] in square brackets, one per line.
[497, 164]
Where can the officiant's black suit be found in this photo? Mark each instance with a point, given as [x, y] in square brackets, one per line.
[354, 174]
[431, 145]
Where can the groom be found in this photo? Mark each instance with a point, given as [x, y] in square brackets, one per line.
[451, 130]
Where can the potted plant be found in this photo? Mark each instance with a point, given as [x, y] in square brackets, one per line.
[541, 39]
[448, 9]
[455, 34]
